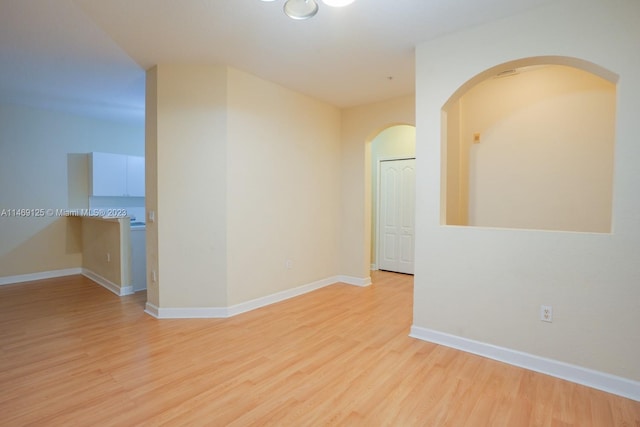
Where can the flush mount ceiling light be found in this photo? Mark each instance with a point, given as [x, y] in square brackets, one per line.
[305, 9]
[300, 9]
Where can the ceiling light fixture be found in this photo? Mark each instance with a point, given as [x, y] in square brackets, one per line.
[305, 9]
[300, 9]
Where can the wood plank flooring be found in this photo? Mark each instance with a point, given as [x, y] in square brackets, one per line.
[72, 353]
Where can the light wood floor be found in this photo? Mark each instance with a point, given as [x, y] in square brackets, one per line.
[72, 353]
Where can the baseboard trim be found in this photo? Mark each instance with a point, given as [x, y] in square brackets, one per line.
[234, 310]
[107, 284]
[185, 313]
[279, 296]
[355, 281]
[152, 310]
[374, 267]
[21, 278]
[595, 379]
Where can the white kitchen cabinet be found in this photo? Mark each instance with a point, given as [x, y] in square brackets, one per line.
[116, 175]
[108, 173]
[135, 176]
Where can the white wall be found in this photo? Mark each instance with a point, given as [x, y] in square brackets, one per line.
[43, 166]
[488, 284]
[545, 156]
[392, 143]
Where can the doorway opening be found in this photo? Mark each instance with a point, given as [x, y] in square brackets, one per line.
[393, 199]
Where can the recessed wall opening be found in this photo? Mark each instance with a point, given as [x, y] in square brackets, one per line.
[530, 145]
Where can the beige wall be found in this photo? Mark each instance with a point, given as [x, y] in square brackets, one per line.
[545, 159]
[106, 248]
[359, 126]
[151, 184]
[43, 166]
[283, 189]
[455, 177]
[392, 143]
[488, 284]
[244, 176]
[186, 185]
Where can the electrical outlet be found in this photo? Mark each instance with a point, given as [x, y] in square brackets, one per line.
[546, 313]
[108, 257]
[153, 276]
[288, 264]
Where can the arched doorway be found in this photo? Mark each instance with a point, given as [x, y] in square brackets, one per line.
[392, 199]
[360, 125]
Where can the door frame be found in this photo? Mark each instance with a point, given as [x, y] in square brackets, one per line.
[377, 190]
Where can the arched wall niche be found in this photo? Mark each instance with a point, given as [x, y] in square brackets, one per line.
[578, 63]
[529, 144]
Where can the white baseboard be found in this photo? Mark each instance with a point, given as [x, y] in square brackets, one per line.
[185, 313]
[577, 374]
[125, 290]
[243, 307]
[223, 312]
[374, 267]
[107, 284]
[355, 281]
[152, 310]
[10, 280]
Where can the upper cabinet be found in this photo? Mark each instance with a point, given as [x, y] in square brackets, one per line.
[135, 176]
[116, 175]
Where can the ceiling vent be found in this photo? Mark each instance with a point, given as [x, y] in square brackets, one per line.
[506, 73]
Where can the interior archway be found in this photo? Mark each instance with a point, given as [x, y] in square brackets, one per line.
[394, 142]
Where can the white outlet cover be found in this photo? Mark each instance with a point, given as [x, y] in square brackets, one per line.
[546, 313]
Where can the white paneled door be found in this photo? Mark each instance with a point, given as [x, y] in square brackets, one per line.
[396, 213]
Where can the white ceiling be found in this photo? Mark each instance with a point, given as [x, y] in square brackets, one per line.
[89, 56]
